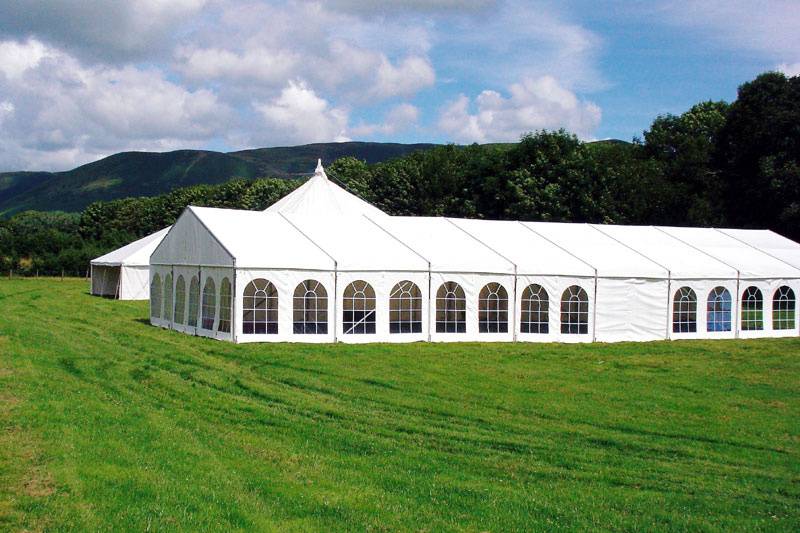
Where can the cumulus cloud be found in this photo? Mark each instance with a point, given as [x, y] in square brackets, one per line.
[256, 47]
[790, 70]
[399, 118]
[106, 30]
[768, 26]
[59, 110]
[533, 104]
[299, 115]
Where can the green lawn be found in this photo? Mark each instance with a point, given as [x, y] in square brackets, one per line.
[107, 423]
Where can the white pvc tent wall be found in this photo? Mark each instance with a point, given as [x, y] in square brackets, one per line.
[621, 282]
[124, 272]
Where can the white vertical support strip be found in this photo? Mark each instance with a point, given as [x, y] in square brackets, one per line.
[234, 296]
[738, 276]
[669, 272]
[594, 297]
[514, 288]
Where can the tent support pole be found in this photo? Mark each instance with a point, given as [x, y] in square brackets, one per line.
[738, 308]
[234, 293]
[430, 304]
[335, 301]
[594, 309]
[669, 304]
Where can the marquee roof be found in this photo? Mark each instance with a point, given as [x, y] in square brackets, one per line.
[136, 253]
[682, 261]
[752, 263]
[321, 226]
[322, 198]
[608, 256]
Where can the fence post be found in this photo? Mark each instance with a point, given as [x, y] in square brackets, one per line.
[62, 275]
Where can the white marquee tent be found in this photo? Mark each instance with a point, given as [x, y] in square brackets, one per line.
[124, 273]
[322, 265]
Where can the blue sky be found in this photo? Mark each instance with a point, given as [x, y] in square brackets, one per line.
[82, 80]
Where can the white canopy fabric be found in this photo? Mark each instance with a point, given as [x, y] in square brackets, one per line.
[123, 273]
[319, 197]
[682, 261]
[770, 242]
[357, 243]
[136, 253]
[330, 260]
[249, 239]
[531, 253]
[751, 262]
[610, 258]
[446, 246]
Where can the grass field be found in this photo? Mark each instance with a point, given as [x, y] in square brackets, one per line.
[107, 423]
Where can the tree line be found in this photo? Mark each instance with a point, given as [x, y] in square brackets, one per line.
[717, 164]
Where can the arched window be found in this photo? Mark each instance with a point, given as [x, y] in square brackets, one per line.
[535, 316]
[575, 311]
[155, 296]
[310, 308]
[180, 300]
[684, 311]
[260, 314]
[168, 297]
[405, 308]
[358, 309]
[493, 309]
[224, 325]
[451, 308]
[209, 304]
[783, 303]
[194, 301]
[718, 310]
[752, 309]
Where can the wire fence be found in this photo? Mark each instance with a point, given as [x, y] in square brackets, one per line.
[61, 274]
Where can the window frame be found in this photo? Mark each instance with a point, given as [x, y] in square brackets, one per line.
[405, 308]
[721, 296]
[684, 317]
[575, 302]
[451, 308]
[156, 302]
[752, 302]
[319, 308]
[208, 309]
[359, 309]
[530, 297]
[225, 306]
[194, 302]
[268, 305]
[781, 323]
[180, 296]
[493, 308]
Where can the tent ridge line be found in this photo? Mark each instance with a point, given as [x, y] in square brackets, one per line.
[312, 241]
[631, 248]
[757, 249]
[483, 243]
[715, 258]
[398, 239]
[213, 235]
[569, 253]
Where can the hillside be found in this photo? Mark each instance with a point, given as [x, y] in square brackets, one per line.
[110, 424]
[148, 173]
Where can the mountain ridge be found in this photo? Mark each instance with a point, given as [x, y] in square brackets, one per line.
[135, 173]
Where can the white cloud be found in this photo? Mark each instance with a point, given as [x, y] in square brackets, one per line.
[790, 70]
[533, 104]
[768, 26]
[298, 115]
[107, 30]
[257, 47]
[63, 111]
[399, 118]
[17, 57]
